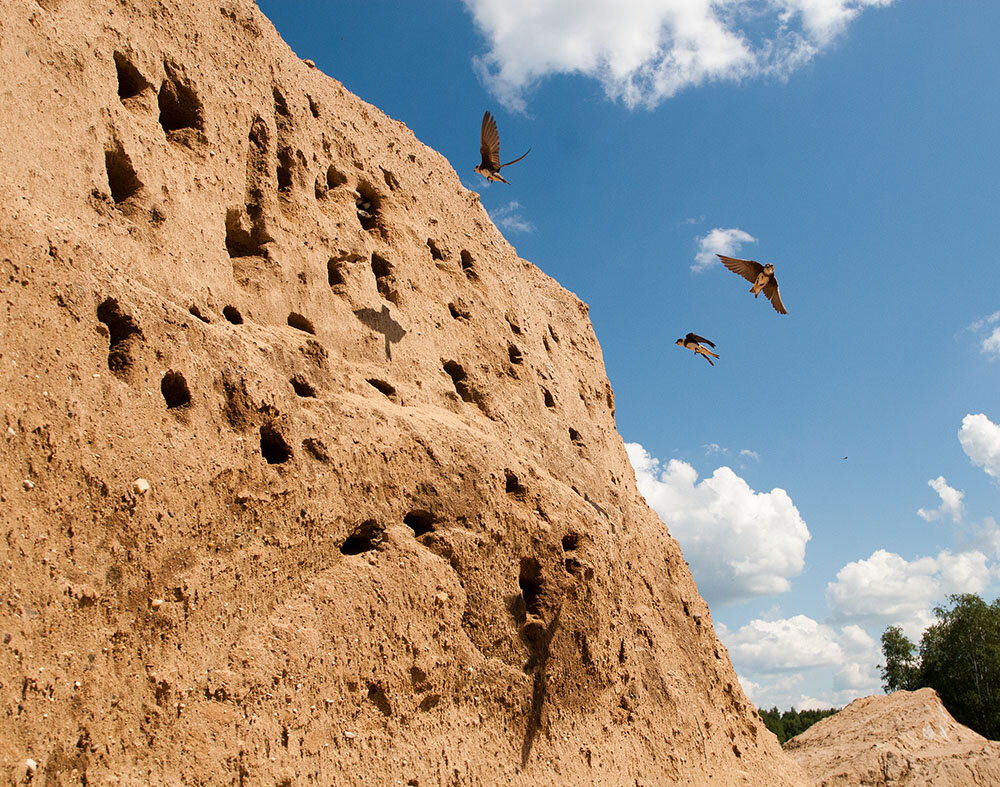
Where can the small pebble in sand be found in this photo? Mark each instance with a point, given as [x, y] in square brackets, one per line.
[140, 486]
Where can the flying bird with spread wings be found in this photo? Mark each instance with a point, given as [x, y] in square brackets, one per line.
[489, 147]
[693, 342]
[761, 276]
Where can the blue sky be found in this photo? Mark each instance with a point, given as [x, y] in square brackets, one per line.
[857, 142]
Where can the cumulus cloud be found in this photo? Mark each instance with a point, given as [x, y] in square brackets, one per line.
[645, 51]
[719, 241]
[980, 439]
[887, 589]
[740, 543]
[763, 646]
[951, 502]
[510, 218]
[773, 657]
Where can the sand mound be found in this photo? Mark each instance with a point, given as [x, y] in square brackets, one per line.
[905, 738]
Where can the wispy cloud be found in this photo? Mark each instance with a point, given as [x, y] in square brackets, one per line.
[951, 502]
[719, 241]
[509, 217]
[645, 51]
[990, 342]
[740, 543]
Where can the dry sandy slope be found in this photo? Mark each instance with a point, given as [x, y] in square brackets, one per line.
[905, 738]
[391, 534]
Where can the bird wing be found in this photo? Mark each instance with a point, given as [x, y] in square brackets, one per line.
[748, 269]
[489, 143]
[693, 337]
[772, 294]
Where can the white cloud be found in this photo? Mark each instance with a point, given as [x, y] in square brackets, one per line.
[746, 453]
[886, 589]
[980, 439]
[992, 319]
[774, 657]
[765, 646]
[719, 241]
[645, 51]
[509, 217]
[951, 502]
[991, 344]
[739, 543]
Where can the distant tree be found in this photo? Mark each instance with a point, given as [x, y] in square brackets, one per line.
[959, 658]
[900, 670]
[792, 722]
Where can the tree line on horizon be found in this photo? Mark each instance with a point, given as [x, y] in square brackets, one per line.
[792, 722]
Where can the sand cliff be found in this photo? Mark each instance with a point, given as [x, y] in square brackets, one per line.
[306, 477]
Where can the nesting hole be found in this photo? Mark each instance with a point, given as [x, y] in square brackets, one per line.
[280, 105]
[553, 334]
[420, 522]
[232, 314]
[530, 582]
[514, 354]
[286, 160]
[196, 312]
[366, 537]
[570, 542]
[300, 323]
[273, 446]
[313, 107]
[302, 387]
[335, 272]
[460, 380]
[382, 386]
[467, 266]
[575, 436]
[175, 390]
[513, 486]
[122, 177]
[382, 269]
[369, 204]
[427, 703]
[378, 696]
[435, 251]
[549, 400]
[179, 105]
[390, 179]
[316, 449]
[130, 82]
[458, 312]
[121, 330]
[241, 242]
[334, 177]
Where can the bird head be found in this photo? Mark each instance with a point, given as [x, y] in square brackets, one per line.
[679, 341]
[769, 269]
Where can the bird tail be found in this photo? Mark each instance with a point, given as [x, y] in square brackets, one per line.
[709, 359]
[516, 160]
